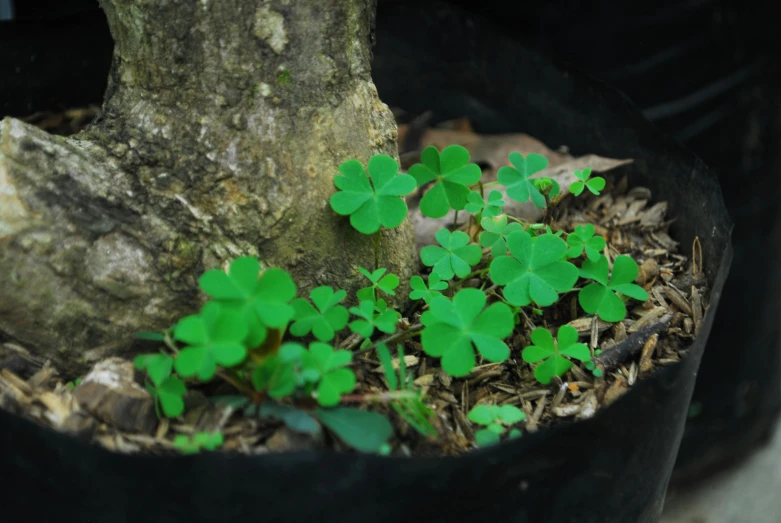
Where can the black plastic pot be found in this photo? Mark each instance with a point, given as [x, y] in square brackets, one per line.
[708, 73]
[611, 468]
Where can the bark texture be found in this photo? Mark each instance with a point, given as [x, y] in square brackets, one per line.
[222, 128]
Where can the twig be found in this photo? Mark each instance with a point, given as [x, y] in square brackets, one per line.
[411, 331]
[630, 347]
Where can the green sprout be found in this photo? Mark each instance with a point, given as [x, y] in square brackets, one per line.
[594, 185]
[600, 298]
[409, 406]
[278, 373]
[495, 234]
[516, 177]
[583, 238]
[496, 419]
[534, 271]
[554, 354]
[374, 315]
[547, 186]
[166, 390]
[372, 203]
[193, 444]
[263, 302]
[453, 329]
[486, 208]
[386, 284]
[324, 321]
[326, 367]
[452, 174]
[213, 337]
[361, 429]
[456, 256]
[420, 291]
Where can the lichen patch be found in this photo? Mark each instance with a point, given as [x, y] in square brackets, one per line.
[270, 27]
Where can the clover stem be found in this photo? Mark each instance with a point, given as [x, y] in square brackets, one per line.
[377, 249]
[469, 276]
[413, 330]
[489, 184]
[231, 377]
[455, 221]
[482, 190]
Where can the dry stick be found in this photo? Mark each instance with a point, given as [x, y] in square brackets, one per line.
[632, 346]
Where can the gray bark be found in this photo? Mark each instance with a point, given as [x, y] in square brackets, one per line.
[222, 128]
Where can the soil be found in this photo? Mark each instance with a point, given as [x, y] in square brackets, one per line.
[121, 416]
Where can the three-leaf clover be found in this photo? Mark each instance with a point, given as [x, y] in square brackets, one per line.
[193, 444]
[594, 185]
[169, 396]
[325, 366]
[452, 173]
[488, 208]
[157, 366]
[386, 284]
[213, 337]
[453, 329]
[277, 374]
[496, 231]
[419, 289]
[600, 298]
[376, 202]
[495, 419]
[455, 257]
[583, 238]
[516, 177]
[325, 321]
[554, 354]
[261, 301]
[534, 271]
[385, 320]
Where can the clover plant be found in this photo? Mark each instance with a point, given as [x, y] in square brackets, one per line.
[516, 177]
[242, 334]
[583, 239]
[496, 419]
[372, 201]
[594, 184]
[600, 297]
[534, 272]
[554, 354]
[452, 175]
[455, 257]
[455, 328]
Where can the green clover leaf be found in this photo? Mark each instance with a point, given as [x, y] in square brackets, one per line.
[594, 185]
[325, 321]
[554, 354]
[452, 174]
[374, 202]
[386, 284]
[193, 444]
[534, 272]
[385, 320]
[487, 208]
[583, 238]
[419, 289]
[277, 374]
[261, 301]
[157, 366]
[516, 178]
[494, 418]
[455, 257]
[453, 329]
[600, 298]
[169, 396]
[547, 186]
[496, 231]
[328, 365]
[213, 337]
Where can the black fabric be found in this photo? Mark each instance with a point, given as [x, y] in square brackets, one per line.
[612, 468]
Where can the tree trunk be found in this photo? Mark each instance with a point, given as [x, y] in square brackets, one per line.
[222, 128]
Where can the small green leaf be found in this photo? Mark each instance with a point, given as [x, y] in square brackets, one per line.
[329, 364]
[485, 208]
[386, 284]
[420, 291]
[456, 256]
[594, 185]
[452, 175]
[600, 298]
[583, 239]
[516, 178]
[193, 444]
[496, 231]
[150, 336]
[325, 321]
[384, 320]
[554, 355]
[372, 202]
[295, 419]
[486, 438]
[170, 394]
[383, 354]
[362, 430]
